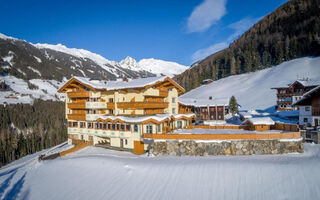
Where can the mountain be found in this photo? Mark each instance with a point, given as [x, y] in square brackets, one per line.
[35, 71]
[154, 66]
[291, 31]
[253, 90]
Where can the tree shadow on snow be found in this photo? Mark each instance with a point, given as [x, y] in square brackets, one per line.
[16, 189]
[6, 183]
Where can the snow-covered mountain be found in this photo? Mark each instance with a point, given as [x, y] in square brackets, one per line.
[154, 66]
[29, 71]
[253, 90]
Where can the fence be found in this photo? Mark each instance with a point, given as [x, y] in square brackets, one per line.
[79, 145]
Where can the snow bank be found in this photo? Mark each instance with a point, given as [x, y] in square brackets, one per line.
[96, 173]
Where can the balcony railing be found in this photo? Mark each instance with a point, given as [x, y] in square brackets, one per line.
[284, 102]
[315, 111]
[78, 94]
[141, 105]
[76, 116]
[92, 117]
[110, 105]
[290, 94]
[96, 105]
[80, 105]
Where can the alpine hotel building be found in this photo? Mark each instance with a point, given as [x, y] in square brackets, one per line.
[119, 113]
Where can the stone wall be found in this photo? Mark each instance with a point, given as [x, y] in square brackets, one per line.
[232, 147]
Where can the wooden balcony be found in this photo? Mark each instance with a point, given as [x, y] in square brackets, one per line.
[141, 105]
[78, 94]
[77, 116]
[78, 105]
[315, 111]
[284, 102]
[110, 105]
[290, 94]
[163, 93]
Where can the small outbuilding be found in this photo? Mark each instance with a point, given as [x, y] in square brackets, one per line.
[259, 123]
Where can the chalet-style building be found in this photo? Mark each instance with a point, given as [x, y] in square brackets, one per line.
[205, 110]
[309, 112]
[118, 113]
[288, 95]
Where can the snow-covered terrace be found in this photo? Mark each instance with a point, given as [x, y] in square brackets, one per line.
[224, 131]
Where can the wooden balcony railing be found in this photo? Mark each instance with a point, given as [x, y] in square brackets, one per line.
[110, 105]
[284, 102]
[77, 116]
[78, 94]
[315, 111]
[78, 105]
[163, 93]
[290, 94]
[141, 105]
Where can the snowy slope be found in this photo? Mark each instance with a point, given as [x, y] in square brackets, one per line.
[20, 92]
[154, 66]
[96, 173]
[253, 90]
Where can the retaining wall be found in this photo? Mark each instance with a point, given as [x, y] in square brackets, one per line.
[232, 147]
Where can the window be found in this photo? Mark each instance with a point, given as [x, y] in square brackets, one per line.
[89, 125]
[159, 128]
[124, 99]
[104, 126]
[122, 127]
[128, 127]
[126, 142]
[109, 126]
[100, 126]
[305, 120]
[118, 126]
[173, 110]
[82, 124]
[135, 128]
[149, 128]
[113, 126]
[179, 124]
[173, 99]
[307, 108]
[70, 124]
[96, 125]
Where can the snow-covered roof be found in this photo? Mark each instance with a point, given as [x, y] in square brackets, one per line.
[204, 102]
[115, 85]
[246, 115]
[159, 117]
[261, 121]
[304, 82]
[125, 84]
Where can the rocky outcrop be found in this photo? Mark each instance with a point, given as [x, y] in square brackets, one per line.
[233, 147]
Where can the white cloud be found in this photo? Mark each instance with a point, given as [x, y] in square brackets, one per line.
[239, 28]
[206, 14]
[202, 53]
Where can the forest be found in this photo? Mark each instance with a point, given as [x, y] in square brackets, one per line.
[26, 129]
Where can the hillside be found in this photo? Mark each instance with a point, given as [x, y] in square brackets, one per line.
[253, 90]
[291, 31]
[97, 173]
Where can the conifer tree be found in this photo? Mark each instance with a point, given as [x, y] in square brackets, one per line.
[233, 105]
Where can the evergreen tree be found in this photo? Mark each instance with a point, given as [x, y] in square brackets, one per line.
[233, 105]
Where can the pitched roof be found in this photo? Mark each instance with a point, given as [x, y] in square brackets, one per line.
[116, 85]
[305, 83]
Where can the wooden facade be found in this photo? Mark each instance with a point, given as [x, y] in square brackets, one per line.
[287, 96]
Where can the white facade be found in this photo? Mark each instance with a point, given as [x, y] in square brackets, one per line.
[305, 115]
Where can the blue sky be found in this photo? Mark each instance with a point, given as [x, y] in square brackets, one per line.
[176, 30]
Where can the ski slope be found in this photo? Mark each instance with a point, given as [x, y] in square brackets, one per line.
[253, 90]
[97, 173]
